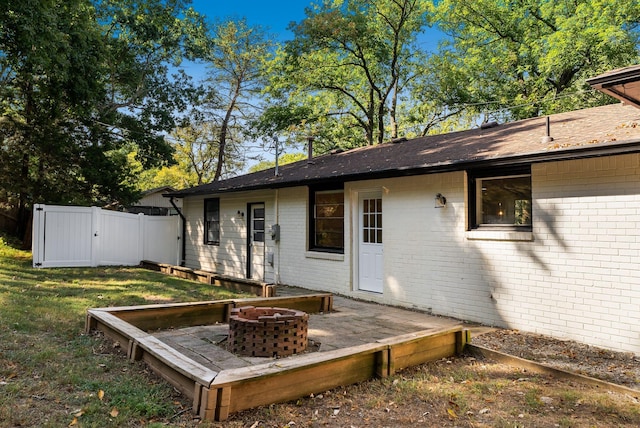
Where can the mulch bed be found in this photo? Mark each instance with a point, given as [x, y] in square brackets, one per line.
[622, 368]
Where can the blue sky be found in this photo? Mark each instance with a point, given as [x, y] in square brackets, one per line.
[274, 15]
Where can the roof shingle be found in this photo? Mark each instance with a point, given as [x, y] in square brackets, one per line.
[575, 134]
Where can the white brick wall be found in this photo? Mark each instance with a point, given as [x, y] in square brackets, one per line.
[587, 231]
[299, 266]
[230, 257]
[576, 276]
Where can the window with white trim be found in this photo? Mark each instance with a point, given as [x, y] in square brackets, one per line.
[500, 198]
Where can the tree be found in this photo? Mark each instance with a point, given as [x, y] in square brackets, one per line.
[195, 159]
[50, 72]
[81, 83]
[235, 79]
[281, 119]
[147, 39]
[524, 58]
[349, 62]
[282, 160]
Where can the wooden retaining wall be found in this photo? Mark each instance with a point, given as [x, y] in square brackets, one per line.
[216, 395]
[259, 288]
[287, 379]
[180, 315]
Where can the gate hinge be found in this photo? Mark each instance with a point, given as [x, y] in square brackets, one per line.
[38, 264]
[39, 209]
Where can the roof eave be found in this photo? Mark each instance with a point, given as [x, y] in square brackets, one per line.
[625, 98]
[613, 83]
[619, 148]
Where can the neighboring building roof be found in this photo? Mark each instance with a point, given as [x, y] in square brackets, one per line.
[590, 132]
[161, 189]
[623, 84]
[153, 198]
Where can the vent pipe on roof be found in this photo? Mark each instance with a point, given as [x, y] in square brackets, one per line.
[547, 138]
[487, 125]
[310, 147]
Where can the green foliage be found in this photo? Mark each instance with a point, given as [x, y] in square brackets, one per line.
[86, 85]
[282, 160]
[81, 82]
[348, 64]
[513, 60]
[236, 77]
[195, 158]
[211, 145]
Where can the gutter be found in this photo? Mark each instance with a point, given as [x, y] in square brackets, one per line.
[183, 246]
[582, 152]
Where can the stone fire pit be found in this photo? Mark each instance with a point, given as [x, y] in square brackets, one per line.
[267, 332]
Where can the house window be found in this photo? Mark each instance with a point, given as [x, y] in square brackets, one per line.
[327, 220]
[212, 221]
[500, 198]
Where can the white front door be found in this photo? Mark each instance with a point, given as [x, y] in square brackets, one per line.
[370, 242]
[256, 242]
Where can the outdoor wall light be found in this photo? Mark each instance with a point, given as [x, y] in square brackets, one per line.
[241, 213]
[441, 201]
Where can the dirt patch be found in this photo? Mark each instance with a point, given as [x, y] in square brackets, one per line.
[468, 392]
[456, 392]
[622, 368]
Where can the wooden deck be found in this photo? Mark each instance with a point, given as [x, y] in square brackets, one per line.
[356, 341]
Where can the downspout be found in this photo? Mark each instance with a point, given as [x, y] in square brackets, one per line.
[277, 261]
[183, 247]
[277, 155]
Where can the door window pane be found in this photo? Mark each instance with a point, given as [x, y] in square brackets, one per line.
[258, 224]
[372, 221]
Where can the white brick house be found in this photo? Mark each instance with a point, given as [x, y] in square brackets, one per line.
[536, 235]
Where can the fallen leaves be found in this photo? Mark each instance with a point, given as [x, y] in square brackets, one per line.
[451, 410]
[452, 414]
[77, 414]
[616, 367]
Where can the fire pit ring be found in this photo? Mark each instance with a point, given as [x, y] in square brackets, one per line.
[267, 332]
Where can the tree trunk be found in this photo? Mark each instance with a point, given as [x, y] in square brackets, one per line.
[224, 131]
[392, 110]
[26, 238]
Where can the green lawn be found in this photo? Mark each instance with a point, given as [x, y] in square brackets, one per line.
[53, 374]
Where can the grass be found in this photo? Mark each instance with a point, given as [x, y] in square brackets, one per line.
[428, 395]
[52, 374]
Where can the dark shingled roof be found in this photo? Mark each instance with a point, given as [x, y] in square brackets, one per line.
[590, 132]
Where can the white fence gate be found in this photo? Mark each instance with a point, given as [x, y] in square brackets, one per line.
[90, 236]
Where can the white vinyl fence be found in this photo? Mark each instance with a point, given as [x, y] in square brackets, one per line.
[90, 236]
